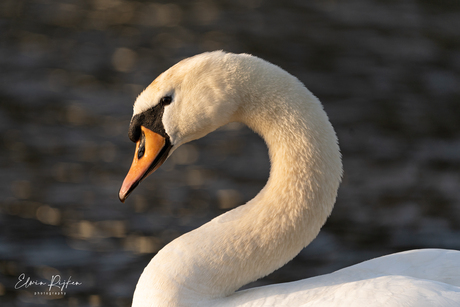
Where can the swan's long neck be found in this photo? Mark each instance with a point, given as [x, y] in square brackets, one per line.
[257, 238]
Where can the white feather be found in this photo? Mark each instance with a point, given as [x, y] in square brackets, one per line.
[206, 266]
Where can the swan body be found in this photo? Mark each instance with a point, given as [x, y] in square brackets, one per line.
[206, 266]
[413, 278]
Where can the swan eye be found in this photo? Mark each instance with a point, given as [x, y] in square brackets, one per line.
[166, 100]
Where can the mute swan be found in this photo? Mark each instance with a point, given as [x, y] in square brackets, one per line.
[206, 266]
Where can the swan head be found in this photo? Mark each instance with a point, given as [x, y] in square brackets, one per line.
[186, 102]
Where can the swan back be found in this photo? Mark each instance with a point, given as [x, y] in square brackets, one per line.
[428, 277]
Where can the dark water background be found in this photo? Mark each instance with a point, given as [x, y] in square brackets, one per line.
[387, 72]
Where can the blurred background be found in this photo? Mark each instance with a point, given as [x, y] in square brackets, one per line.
[387, 72]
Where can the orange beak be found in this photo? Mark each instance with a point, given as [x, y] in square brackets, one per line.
[151, 151]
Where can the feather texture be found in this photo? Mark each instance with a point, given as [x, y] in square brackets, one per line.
[206, 266]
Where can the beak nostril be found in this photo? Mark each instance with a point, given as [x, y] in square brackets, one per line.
[140, 153]
[141, 150]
